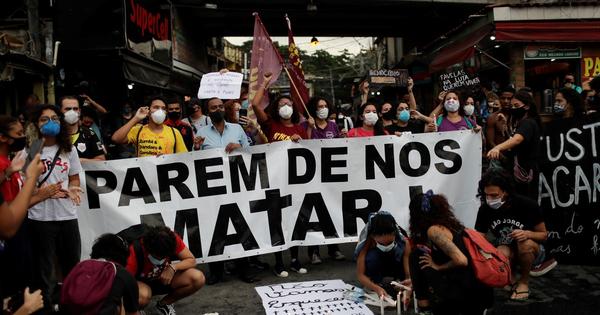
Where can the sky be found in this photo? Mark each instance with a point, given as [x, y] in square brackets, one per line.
[333, 45]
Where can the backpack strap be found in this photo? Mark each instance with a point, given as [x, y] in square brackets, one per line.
[439, 120]
[137, 141]
[50, 169]
[174, 140]
[139, 256]
[469, 124]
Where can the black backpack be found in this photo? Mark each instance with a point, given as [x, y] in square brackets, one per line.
[132, 236]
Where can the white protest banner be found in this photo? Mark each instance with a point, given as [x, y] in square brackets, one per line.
[270, 197]
[322, 297]
[225, 86]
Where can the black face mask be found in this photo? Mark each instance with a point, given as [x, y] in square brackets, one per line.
[18, 144]
[174, 116]
[389, 115]
[518, 113]
[217, 116]
[126, 110]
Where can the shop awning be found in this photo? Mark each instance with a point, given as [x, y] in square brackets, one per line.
[145, 71]
[458, 51]
[551, 31]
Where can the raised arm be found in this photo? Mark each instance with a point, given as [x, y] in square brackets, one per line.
[120, 136]
[261, 116]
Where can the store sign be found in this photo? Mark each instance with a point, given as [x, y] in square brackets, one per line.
[590, 64]
[537, 52]
[148, 29]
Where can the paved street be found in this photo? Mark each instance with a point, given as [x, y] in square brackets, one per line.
[565, 290]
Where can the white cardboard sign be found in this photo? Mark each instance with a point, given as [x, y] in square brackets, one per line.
[222, 85]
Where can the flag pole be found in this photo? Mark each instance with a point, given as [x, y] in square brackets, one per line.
[296, 89]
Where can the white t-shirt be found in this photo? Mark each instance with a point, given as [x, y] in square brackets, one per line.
[66, 165]
[198, 124]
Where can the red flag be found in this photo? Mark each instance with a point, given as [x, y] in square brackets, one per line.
[298, 88]
[265, 59]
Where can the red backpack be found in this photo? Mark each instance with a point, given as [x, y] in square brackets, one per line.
[87, 286]
[491, 267]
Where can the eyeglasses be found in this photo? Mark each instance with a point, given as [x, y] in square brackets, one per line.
[45, 119]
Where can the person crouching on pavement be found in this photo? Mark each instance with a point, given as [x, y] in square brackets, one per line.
[159, 275]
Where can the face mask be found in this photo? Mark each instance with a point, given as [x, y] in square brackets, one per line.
[389, 115]
[158, 116]
[245, 104]
[518, 113]
[386, 248]
[71, 117]
[156, 262]
[174, 116]
[451, 105]
[404, 115]
[51, 128]
[126, 110]
[371, 118]
[558, 109]
[323, 113]
[217, 116]
[469, 110]
[18, 144]
[495, 203]
[286, 111]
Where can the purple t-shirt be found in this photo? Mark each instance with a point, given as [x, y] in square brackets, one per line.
[329, 132]
[447, 125]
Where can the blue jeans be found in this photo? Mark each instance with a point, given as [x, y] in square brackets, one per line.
[379, 265]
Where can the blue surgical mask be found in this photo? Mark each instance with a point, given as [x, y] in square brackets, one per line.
[558, 108]
[51, 128]
[386, 248]
[245, 104]
[404, 115]
[155, 261]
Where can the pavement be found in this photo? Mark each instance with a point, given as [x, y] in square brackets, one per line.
[568, 289]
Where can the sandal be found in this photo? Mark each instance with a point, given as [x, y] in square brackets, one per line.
[515, 295]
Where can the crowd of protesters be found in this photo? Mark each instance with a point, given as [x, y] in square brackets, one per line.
[42, 151]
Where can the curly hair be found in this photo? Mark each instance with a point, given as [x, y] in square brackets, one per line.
[62, 139]
[439, 212]
[110, 247]
[495, 177]
[160, 241]
[273, 110]
[7, 123]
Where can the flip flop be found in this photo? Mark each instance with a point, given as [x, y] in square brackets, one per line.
[516, 293]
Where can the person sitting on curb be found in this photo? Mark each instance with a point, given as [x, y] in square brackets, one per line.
[158, 275]
[517, 224]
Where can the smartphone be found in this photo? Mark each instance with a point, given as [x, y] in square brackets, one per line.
[243, 113]
[35, 148]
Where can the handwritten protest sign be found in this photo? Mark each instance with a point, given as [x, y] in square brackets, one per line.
[383, 77]
[311, 297]
[457, 79]
[222, 85]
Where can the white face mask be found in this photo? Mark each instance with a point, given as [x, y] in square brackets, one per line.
[323, 113]
[469, 109]
[371, 118]
[158, 116]
[286, 111]
[495, 203]
[451, 105]
[71, 117]
[386, 248]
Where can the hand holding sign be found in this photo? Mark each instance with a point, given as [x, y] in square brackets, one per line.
[224, 85]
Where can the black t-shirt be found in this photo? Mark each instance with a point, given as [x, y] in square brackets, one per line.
[517, 213]
[124, 287]
[528, 151]
[87, 143]
[414, 126]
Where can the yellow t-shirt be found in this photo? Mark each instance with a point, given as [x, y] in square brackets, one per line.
[152, 144]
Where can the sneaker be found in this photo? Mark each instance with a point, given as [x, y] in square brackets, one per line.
[280, 272]
[337, 255]
[165, 309]
[543, 268]
[297, 267]
[315, 259]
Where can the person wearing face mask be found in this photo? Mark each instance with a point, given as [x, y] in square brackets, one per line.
[454, 117]
[523, 146]
[282, 122]
[568, 103]
[408, 121]
[251, 127]
[154, 138]
[120, 151]
[319, 126]
[570, 83]
[196, 117]
[371, 126]
[54, 227]
[162, 264]
[86, 142]
[471, 111]
[518, 227]
[443, 281]
[221, 134]
[174, 115]
[381, 254]
[388, 114]
[496, 127]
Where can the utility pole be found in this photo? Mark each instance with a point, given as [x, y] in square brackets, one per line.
[331, 84]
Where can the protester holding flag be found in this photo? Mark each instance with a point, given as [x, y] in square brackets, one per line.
[371, 126]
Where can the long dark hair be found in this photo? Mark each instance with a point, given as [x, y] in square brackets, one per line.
[378, 127]
[527, 99]
[434, 211]
[6, 124]
[62, 139]
[313, 103]
[574, 100]
[273, 110]
[461, 106]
